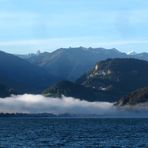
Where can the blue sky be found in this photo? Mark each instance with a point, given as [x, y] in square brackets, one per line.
[30, 25]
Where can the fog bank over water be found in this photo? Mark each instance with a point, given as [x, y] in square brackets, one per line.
[29, 103]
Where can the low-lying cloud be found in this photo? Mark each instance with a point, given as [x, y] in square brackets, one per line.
[34, 104]
[28, 103]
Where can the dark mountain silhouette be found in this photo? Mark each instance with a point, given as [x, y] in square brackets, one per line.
[23, 76]
[4, 92]
[136, 97]
[70, 89]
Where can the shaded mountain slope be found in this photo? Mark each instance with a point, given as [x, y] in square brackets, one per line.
[4, 92]
[23, 76]
[136, 97]
[70, 89]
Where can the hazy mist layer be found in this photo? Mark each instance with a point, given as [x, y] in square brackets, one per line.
[28, 103]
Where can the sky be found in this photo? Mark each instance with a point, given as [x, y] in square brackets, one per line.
[46, 25]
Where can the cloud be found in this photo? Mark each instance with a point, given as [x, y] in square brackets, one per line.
[29, 103]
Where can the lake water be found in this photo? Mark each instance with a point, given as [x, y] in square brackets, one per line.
[72, 132]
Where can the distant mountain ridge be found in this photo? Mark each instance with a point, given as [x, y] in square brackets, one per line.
[71, 63]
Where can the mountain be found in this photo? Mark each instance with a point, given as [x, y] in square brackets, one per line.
[71, 63]
[136, 97]
[117, 76]
[4, 92]
[23, 76]
[107, 81]
[70, 89]
[141, 56]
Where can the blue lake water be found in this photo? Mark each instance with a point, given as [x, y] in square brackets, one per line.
[72, 132]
